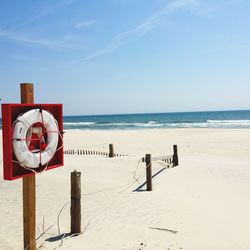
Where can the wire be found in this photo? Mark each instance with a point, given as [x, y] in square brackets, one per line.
[105, 190]
[58, 217]
[127, 186]
[59, 230]
[58, 224]
[141, 174]
[137, 179]
[39, 237]
[137, 169]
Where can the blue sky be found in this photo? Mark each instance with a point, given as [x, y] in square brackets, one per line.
[127, 56]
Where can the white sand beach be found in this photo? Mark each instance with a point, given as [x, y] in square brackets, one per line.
[203, 204]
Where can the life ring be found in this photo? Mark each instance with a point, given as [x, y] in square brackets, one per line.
[23, 128]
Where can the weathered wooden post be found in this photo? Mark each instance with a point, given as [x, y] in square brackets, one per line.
[111, 150]
[148, 172]
[175, 156]
[75, 209]
[29, 186]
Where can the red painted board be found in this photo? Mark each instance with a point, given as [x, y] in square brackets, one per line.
[10, 112]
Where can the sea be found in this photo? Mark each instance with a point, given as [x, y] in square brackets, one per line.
[211, 119]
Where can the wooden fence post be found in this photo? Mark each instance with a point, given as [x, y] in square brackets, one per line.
[175, 156]
[148, 172]
[75, 208]
[111, 150]
[29, 186]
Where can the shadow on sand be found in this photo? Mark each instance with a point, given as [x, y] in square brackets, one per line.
[58, 237]
[139, 189]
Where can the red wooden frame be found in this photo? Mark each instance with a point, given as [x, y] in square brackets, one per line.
[10, 112]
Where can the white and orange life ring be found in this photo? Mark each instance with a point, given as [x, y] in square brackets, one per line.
[25, 125]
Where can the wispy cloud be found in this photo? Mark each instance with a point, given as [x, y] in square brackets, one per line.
[206, 7]
[85, 24]
[198, 7]
[20, 38]
[147, 25]
[42, 14]
[23, 38]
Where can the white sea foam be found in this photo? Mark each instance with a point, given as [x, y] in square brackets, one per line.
[149, 124]
[79, 123]
[131, 124]
[213, 124]
[116, 124]
[229, 121]
[186, 125]
[155, 124]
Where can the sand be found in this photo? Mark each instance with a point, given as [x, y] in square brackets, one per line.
[201, 204]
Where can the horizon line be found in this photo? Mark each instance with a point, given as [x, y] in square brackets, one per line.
[152, 113]
[169, 112]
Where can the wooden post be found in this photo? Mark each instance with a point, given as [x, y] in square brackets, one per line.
[75, 202]
[149, 172]
[111, 150]
[29, 187]
[175, 156]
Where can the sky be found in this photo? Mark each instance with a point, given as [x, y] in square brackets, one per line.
[127, 56]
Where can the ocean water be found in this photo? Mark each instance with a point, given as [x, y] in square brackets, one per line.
[213, 119]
